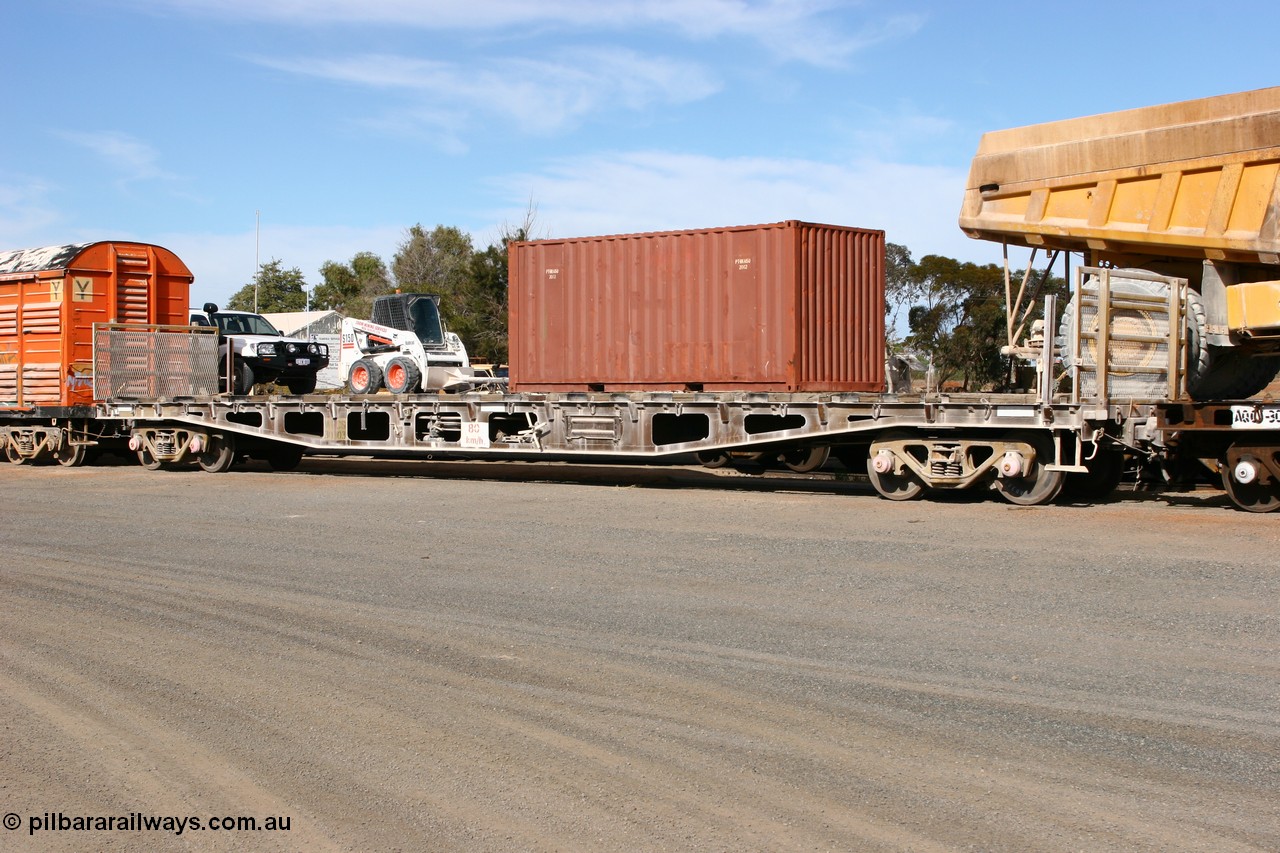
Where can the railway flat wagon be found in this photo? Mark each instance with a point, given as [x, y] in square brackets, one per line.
[50, 299]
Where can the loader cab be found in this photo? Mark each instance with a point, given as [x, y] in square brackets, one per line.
[412, 312]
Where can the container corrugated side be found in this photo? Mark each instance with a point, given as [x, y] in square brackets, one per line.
[788, 306]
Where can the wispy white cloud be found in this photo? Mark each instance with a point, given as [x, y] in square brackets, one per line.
[653, 190]
[25, 211]
[129, 157]
[820, 32]
[632, 191]
[534, 96]
[890, 132]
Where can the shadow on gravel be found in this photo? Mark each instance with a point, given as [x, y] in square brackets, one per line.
[621, 473]
[626, 473]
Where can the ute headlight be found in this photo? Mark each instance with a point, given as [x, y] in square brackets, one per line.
[266, 349]
[313, 349]
[291, 348]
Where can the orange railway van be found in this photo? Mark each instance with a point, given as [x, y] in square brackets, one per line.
[51, 297]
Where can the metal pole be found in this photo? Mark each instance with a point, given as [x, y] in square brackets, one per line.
[257, 264]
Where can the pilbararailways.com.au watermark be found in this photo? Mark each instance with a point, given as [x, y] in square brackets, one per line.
[139, 822]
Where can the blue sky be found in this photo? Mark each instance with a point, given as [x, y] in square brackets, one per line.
[340, 123]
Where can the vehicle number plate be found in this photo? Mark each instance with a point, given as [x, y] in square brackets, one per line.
[303, 361]
[1255, 417]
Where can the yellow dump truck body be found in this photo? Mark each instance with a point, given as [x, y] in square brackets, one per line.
[1196, 179]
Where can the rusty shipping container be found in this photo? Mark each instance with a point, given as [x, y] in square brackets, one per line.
[788, 306]
[51, 297]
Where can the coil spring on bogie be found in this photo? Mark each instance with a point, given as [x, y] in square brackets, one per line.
[945, 461]
[166, 443]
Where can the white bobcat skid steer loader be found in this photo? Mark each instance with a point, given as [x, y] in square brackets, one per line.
[404, 347]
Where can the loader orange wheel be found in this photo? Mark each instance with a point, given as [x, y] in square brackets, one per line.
[402, 376]
[365, 377]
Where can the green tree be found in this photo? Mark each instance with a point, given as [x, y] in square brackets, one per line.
[436, 261]
[481, 309]
[900, 290]
[351, 287]
[958, 320]
[277, 290]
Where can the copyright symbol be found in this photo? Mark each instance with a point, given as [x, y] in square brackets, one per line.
[12, 821]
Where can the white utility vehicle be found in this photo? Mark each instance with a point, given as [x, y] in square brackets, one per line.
[258, 352]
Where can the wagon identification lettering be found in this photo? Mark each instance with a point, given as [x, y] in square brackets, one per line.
[82, 289]
[56, 288]
[475, 435]
[1255, 417]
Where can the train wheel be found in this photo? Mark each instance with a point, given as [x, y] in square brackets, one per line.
[218, 455]
[148, 460]
[72, 455]
[11, 453]
[713, 458]
[802, 460]
[1036, 486]
[892, 485]
[1242, 478]
[895, 487]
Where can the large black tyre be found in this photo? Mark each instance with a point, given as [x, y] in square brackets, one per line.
[242, 380]
[1234, 375]
[1139, 384]
[1213, 373]
[401, 376]
[365, 377]
[301, 384]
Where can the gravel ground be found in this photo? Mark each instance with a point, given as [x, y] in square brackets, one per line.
[503, 657]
